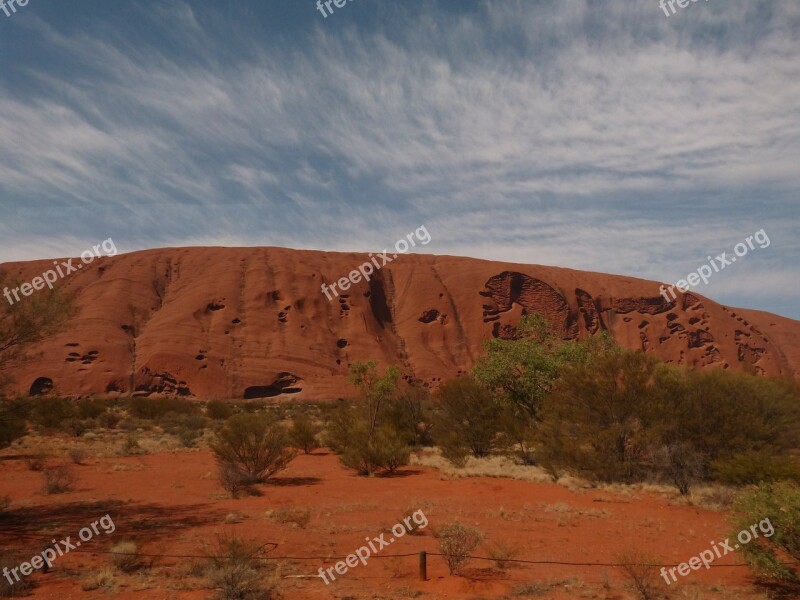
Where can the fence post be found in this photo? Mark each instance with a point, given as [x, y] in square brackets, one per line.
[423, 566]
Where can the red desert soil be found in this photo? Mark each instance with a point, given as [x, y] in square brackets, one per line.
[253, 322]
[170, 503]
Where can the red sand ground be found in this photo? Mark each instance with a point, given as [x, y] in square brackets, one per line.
[171, 502]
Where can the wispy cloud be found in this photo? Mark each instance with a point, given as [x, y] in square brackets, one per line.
[604, 137]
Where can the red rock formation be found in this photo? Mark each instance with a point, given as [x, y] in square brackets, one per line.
[253, 322]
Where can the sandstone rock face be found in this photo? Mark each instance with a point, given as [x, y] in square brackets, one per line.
[254, 323]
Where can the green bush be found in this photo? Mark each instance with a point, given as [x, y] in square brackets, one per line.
[468, 410]
[752, 467]
[341, 419]
[453, 448]
[254, 444]
[303, 434]
[384, 450]
[598, 418]
[775, 509]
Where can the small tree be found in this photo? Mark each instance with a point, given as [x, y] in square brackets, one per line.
[681, 464]
[303, 434]
[254, 444]
[775, 509]
[456, 541]
[467, 409]
[363, 431]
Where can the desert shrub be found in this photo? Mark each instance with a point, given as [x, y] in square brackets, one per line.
[361, 431]
[109, 419]
[254, 444]
[50, 414]
[453, 449]
[154, 408]
[91, 408]
[338, 433]
[232, 479]
[131, 446]
[11, 430]
[391, 450]
[385, 449]
[253, 406]
[468, 409]
[739, 423]
[12, 424]
[303, 434]
[37, 461]
[58, 479]
[408, 414]
[189, 437]
[456, 542]
[502, 554]
[219, 410]
[681, 464]
[125, 557]
[78, 455]
[517, 434]
[78, 427]
[235, 571]
[744, 468]
[599, 414]
[642, 574]
[775, 509]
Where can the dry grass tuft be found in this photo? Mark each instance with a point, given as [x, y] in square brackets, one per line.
[125, 560]
[490, 466]
[105, 579]
[297, 517]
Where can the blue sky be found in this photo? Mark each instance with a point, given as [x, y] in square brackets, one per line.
[598, 135]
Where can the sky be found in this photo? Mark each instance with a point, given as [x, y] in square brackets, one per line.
[596, 135]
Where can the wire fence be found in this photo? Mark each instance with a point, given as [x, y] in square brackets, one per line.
[407, 555]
